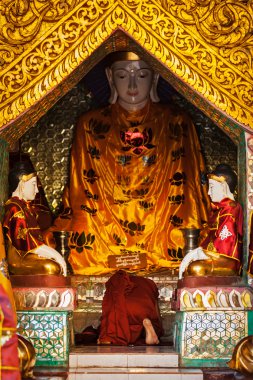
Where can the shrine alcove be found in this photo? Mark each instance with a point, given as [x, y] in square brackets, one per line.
[52, 71]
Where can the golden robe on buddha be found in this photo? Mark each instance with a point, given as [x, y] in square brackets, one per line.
[135, 182]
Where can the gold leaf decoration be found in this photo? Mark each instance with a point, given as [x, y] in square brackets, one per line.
[46, 47]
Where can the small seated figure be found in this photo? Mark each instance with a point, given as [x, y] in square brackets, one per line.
[27, 252]
[130, 313]
[242, 358]
[220, 251]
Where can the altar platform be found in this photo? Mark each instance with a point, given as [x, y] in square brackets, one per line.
[130, 363]
[51, 311]
[126, 363]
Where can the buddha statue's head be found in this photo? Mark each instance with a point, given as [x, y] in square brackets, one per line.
[132, 81]
[23, 181]
[222, 183]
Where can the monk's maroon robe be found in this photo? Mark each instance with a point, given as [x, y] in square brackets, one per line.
[127, 301]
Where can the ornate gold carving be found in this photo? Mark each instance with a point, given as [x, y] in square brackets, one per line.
[216, 299]
[224, 24]
[24, 20]
[211, 49]
[207, 44]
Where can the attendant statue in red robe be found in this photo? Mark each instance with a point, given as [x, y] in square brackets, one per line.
[135, 178]
[220, 251]
[27, 252]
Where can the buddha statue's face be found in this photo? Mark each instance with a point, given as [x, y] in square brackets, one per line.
[29, 189]
[133, 82]
[217, 190]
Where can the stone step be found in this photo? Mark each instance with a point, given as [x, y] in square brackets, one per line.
[135, 374]
[120, 356]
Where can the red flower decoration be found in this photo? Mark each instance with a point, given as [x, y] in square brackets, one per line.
[136, 140]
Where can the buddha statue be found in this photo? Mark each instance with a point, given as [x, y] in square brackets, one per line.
[220, 250]
[26, 252]
[134, 180]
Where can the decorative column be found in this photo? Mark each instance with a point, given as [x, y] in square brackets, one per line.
[4, 170]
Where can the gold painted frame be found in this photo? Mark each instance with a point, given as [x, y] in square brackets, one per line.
[204, 49]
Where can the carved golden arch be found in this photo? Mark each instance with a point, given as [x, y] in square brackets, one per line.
[204, 49]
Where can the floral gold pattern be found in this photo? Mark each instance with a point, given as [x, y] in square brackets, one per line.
[22, 233]
[20, 215]
[207, 44]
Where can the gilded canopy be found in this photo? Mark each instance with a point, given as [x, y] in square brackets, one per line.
[204, 48]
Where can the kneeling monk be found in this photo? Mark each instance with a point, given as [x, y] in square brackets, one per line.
[130, 313]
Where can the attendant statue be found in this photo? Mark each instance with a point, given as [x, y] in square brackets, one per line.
[26, 252]
[220, 250]
[135, 178]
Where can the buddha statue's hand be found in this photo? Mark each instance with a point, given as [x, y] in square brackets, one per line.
[50, 253]
[195, 254]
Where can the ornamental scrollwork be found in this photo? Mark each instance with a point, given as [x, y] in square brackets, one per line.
[218, 21]
[205, 43]
[46, 52]
[184, 51]
[21, 21]
[227, 25]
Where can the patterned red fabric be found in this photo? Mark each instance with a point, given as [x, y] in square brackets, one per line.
[127, 301]
[9, 340]
[225, 229]
[21, 226]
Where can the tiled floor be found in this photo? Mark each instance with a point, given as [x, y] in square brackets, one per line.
[123, 374]
[130, 363]
[126, 357]
[140, 373]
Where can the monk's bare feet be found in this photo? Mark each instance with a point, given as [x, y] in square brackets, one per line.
[151, 337]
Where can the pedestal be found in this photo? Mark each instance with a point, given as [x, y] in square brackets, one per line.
[49, 332]
[211, 319]
[45, 306]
